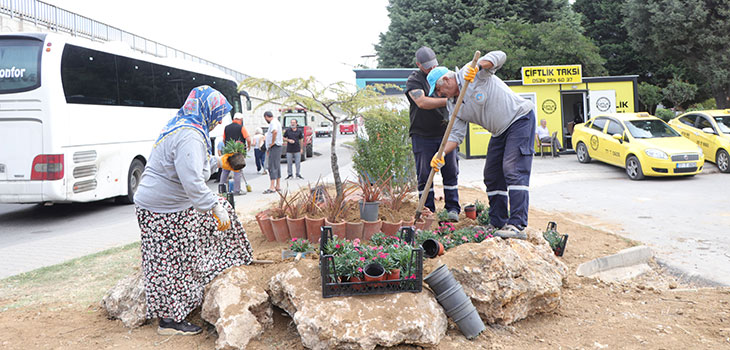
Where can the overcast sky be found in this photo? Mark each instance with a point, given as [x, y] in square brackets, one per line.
[273, 39]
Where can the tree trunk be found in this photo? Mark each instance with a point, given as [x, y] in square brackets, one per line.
[722, 97]
[333, 159]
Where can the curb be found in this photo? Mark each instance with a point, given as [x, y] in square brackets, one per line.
[627, 257]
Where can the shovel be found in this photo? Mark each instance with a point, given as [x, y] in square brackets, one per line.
[440, 152]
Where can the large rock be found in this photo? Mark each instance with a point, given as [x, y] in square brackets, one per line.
[126, 301]
[239, 310]
[361, 322]
[509, 280]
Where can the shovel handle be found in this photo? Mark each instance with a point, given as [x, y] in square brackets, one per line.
[440, 152]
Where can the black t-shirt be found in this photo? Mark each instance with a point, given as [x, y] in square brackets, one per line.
[425, 122]
[290, 134]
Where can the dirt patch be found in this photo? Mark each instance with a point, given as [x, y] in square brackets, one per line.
[653, 312]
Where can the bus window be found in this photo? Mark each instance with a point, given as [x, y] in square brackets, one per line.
[20, 62]
[136, 87]
[168, 87]
[89, 76]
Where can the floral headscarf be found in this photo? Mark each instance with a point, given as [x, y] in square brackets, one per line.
[204, 107]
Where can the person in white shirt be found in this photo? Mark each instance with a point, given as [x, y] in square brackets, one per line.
[543, 134]
[274, 142]
[259, 151]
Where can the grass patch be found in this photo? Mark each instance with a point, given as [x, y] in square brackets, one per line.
[78, 282]
[349, 143]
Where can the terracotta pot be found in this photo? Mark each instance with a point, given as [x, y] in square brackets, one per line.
[264, 222]
[370, 228]
[297, 228]
[420, 224]
[471, 212]
[338, 229]
[281, 230]
[374, 272]
[353, 230]
[393, 274]
[357, 286]
[313, 228]
[390, 228]
[409, 223]
[429, 222]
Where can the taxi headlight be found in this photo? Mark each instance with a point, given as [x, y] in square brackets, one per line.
[655, 153]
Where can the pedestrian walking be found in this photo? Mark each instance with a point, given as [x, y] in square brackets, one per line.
[273, 141]
[489, 102]
[235, 131]
[428, 121]
[189, 234]
[259, 150]
[294, 137]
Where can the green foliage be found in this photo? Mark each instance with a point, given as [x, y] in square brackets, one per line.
[422, 236]
[679, 92]
[437, 23]
[664, 114]
[529, 44]
[650, 96]
[703, 106]
[233, 146]
[380, 239]
[301, 245]
[442, 215]
[386, 151]
[483, 217]
[479, 206]
[693, 34]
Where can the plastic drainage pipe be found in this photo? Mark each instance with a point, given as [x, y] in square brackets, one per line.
[453, 297]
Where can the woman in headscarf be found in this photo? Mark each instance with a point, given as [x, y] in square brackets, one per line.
[188, 237]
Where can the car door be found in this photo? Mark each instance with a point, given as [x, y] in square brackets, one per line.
[706, 140]
[615, 149]
[685, 125]
[597, 138]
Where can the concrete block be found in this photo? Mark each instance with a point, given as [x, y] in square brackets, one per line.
[627, 257]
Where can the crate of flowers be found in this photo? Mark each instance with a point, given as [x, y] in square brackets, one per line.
[384, 265]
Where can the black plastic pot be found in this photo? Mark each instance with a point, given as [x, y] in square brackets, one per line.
[468, 320]
[369, 210]
[440, 280]
[453, 297]
[374, 270]
[431, 248]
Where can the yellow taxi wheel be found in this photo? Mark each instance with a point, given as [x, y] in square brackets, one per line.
[723, 161]
[581, 151]
[633, 168]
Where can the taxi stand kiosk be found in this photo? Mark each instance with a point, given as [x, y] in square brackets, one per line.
[561, 95]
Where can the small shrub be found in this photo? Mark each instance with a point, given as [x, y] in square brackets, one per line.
[665, 114]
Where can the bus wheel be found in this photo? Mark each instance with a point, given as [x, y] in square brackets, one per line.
[135, 174]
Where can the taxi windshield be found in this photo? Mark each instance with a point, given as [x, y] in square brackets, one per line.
[723, 123]
[644, 129]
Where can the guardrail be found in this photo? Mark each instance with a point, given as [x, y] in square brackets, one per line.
[59, 20]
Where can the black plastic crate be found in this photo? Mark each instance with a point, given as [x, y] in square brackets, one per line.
[333, 287]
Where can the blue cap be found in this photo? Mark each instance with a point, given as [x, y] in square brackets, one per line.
[434, 76]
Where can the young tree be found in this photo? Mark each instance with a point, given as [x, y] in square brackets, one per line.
[338, 103]
[650, 96]
[438, 23]
[679, 92]
[692, 33]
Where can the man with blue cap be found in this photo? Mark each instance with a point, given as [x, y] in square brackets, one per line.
[489, 102]
[429, 118]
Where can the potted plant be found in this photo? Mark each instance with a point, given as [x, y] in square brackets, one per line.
[471, 211]
[278, 222]
[483, 218]
[298, 249]
[237, 159]
[442, 216]
[479, 206]
[294, 209]
[313, 216]
[334, 209]
[372, 193]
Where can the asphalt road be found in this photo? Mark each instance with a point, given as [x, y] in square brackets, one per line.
[34, 236]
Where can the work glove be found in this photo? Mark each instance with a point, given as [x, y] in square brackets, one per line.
[470, 73]
[224, 162]
[437, 162]
[221, 216]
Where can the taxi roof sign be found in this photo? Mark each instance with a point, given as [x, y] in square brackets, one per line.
[727, 111]
[643, 114]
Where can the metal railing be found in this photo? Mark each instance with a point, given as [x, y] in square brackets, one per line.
[59, 20]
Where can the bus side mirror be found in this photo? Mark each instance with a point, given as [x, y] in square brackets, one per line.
[248, 99]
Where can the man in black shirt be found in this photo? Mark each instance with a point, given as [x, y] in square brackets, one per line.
[294, 137]
[429, 119]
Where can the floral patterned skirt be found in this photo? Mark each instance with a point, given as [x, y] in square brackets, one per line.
[182, 252]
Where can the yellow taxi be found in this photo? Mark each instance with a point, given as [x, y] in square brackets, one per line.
[711, 131]
[642, 144]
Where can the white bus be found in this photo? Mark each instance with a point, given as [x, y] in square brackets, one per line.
[78, 118]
